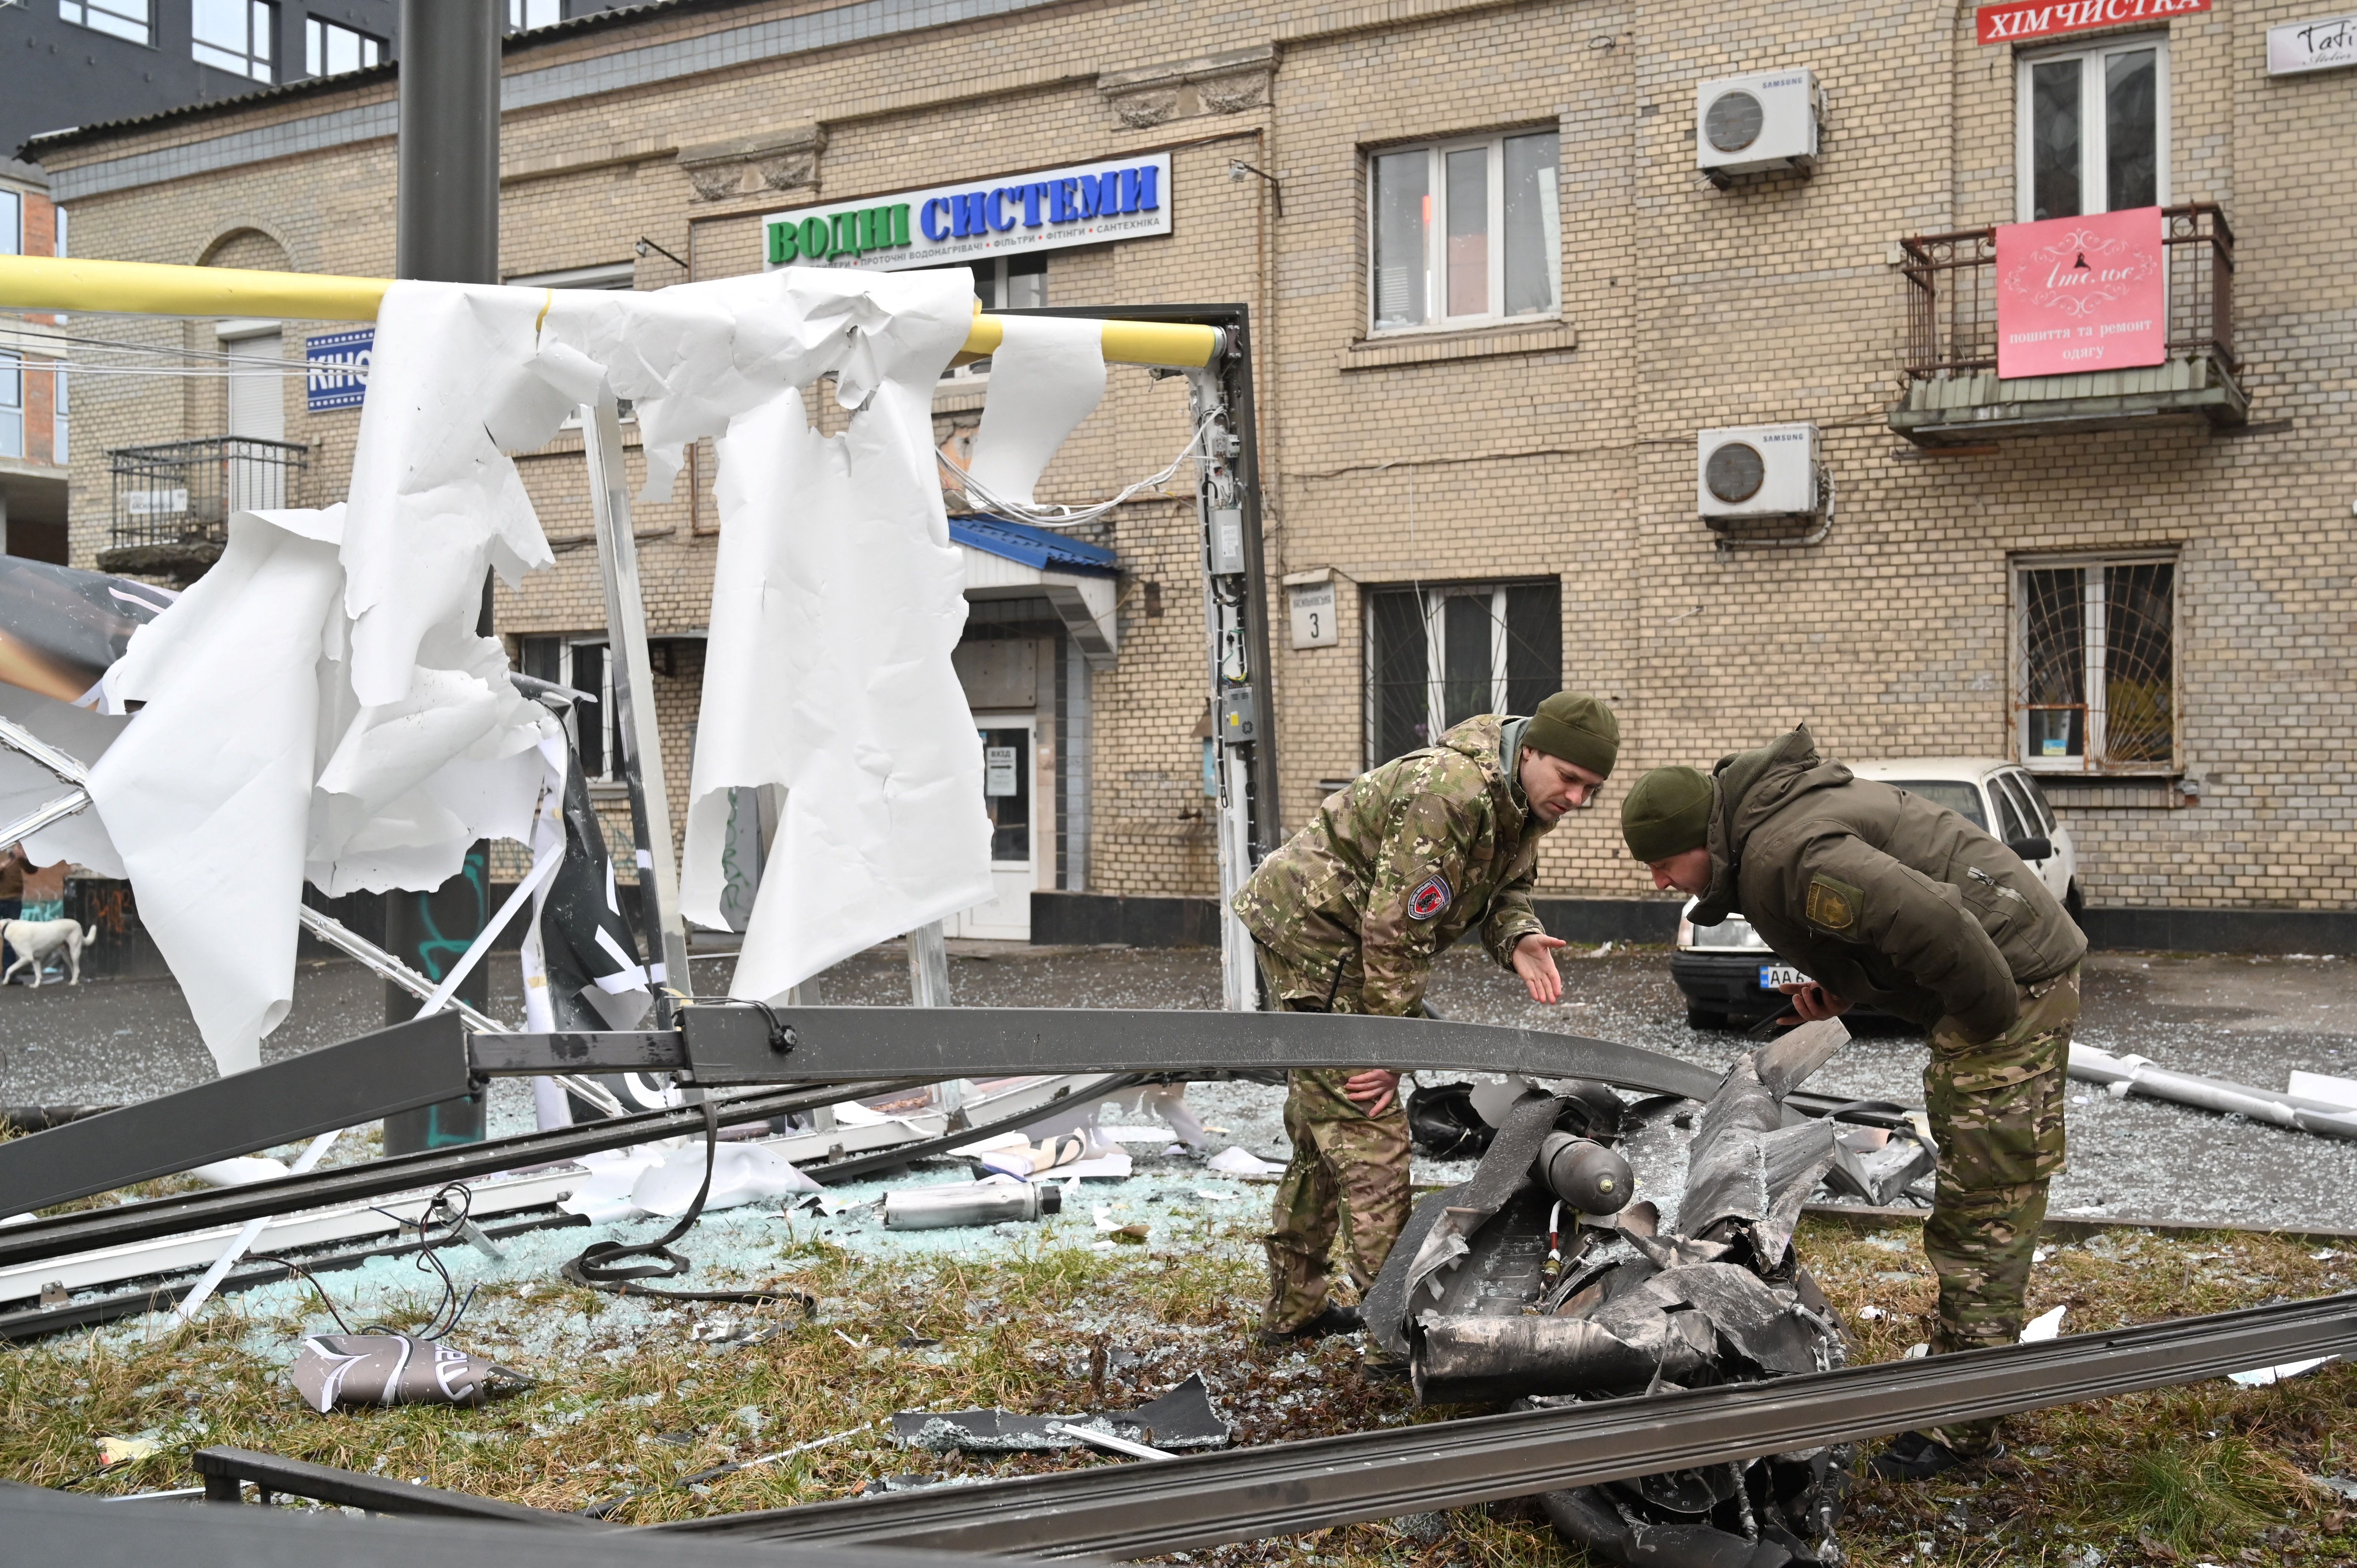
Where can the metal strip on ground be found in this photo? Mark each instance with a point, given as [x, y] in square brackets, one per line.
[1243, 1495]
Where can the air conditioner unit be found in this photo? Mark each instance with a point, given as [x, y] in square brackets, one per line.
[1766, 120]
[1757, 470]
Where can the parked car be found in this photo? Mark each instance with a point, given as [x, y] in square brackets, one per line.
[1728, 975]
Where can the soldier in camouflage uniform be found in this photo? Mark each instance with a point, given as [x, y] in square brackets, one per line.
[1885, 898]
[1346, 918]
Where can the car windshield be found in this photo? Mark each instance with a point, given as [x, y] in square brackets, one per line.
[1958, 796]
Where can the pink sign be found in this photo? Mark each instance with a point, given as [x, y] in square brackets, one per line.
[2081, 294]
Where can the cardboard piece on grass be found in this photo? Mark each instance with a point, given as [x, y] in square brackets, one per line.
[1181, 1420]
[395, 1368]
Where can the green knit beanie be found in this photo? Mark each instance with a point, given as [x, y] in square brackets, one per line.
[1667, 812]
[1577, 729]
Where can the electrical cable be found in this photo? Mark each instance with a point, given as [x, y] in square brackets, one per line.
[455, 1213]
[1062, 515]
[599, 1266]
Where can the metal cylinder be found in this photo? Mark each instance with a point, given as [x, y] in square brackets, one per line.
[987, 1203]
[1584, 1174]
[447, 208]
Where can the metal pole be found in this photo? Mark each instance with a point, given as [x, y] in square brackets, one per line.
[446, 209]
[634, 700]
[1233, 671]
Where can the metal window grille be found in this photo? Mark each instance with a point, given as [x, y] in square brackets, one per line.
[1436, 657]
[183, 491]
[2097, 666]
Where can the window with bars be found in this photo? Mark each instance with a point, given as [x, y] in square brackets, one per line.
[2096, 650]
[1464, 233]
[1439, 656]
[233, 36]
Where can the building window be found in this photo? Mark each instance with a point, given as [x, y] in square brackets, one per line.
[12, 406]
[1005, 282]
[57, 451]
[232, 36]
[2095, 659]
[1464, 233]
[583, 667]
[1436, 657]
[2093, 129]
[330, 50]
[124, 19]
[524, 14]
[12, 224]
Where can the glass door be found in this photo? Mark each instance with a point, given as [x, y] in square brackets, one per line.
[1009, 798]
[2093, 130]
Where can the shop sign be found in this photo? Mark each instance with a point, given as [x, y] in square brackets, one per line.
[2081, 294]
[977, 220]
[2312, 45]
[337, 366]
[2016, 21]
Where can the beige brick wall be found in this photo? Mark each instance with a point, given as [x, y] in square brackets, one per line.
[1566, 453]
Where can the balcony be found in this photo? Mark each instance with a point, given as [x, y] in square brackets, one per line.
[172, 502]
[1953, 396]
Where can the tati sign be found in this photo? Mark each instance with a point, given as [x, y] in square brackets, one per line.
[2018, 20]
[2326, 45]
[2081, 294]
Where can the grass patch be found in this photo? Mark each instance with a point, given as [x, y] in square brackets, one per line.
[633, 1398]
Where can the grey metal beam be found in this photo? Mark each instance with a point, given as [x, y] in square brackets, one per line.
[446, 192]
[1207, 1499]
[343, 1085]
[223, 1468]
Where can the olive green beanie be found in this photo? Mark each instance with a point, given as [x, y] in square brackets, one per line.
[1667, 812]
[1577, 729]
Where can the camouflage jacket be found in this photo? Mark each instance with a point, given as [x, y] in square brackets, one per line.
[1879, 895]
[1397, 866]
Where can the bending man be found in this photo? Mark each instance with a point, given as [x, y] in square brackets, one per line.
[1346, 918]
[1882, 898]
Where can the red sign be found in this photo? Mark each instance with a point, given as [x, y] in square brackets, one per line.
[2017, 20]
[2081, 294]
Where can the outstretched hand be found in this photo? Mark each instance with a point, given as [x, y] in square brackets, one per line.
[1534, 961]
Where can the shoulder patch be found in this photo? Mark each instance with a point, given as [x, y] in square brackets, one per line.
[1833, 905]
[1430, 898]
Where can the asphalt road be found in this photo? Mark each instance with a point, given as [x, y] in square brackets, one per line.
[2252, 1020]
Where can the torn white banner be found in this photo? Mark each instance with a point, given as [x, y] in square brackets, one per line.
[250, 762]
[1046, 376]
[837, 598]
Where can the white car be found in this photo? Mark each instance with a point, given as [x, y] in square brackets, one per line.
[1727, 973]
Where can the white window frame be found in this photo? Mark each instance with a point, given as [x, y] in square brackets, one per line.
[253, 60]
[118, 23]
[2093, 127]
[12, 404]
[316, 31]
[2093, 651]
[1435, 245]
[12, 222]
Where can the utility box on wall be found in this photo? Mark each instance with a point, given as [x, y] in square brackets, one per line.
[1753, 124]
[1757, 470]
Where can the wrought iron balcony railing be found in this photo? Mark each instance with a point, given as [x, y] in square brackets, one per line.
[1952, 294]
[181, 492]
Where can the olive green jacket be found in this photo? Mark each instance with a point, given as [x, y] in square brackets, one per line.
[1398, 865]
[1880, 896]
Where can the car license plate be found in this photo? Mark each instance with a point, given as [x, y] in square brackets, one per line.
[1772, 975]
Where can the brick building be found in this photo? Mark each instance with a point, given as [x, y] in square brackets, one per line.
[35, 403]
[1497, 302]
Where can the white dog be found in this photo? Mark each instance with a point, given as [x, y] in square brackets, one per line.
[36, 941]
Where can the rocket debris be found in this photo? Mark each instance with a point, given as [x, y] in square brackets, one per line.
[1182, 1420]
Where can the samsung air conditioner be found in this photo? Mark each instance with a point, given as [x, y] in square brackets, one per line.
[1745, 125]
[1757, 470]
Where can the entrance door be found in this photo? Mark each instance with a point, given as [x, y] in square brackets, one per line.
[1008, 760]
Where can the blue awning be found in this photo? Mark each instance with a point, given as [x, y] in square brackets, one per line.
[1041, 549]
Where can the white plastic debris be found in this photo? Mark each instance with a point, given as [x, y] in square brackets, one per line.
[2261, 1377]
[1234, 1161]
[242, 1171]
[2045, 1325]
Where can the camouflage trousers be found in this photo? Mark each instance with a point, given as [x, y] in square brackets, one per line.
[1996, 1113]
[1348, 1176]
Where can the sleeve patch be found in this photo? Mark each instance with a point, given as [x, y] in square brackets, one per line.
[1833, 905]
[1430, 898]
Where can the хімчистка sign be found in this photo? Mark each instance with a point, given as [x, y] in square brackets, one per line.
[2013, 20]
[2322, 45]
[339, 368]
[2081, 294]
[977, 220]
